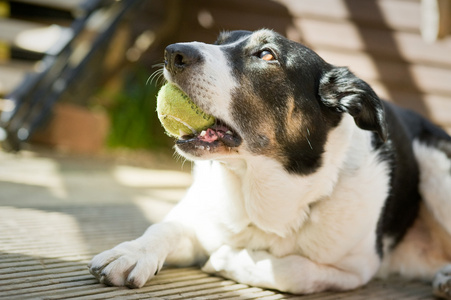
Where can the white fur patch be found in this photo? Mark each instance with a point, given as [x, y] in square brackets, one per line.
[211, 85]
[435, 181]
[426, 247]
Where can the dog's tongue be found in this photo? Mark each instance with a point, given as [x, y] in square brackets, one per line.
[217, 133]
[220, 133]
[209, 135]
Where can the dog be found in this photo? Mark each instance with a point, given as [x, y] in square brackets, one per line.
[307, 181]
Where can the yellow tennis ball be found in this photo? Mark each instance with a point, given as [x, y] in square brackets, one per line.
[178, 114]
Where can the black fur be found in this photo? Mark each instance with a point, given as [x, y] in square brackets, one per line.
[343, 91]
[402, 205]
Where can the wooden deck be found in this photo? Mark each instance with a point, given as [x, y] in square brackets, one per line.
[56, 212]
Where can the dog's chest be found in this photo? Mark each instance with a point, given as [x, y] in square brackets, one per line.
[280, 220]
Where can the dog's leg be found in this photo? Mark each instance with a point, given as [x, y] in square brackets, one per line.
[435, 188]
[435, 181]
[442, 283]
[293, 273]
[133, 263]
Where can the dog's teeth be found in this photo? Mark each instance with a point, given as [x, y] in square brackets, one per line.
[203, 133]
[208, 148]
[229, 132]
[201, 147]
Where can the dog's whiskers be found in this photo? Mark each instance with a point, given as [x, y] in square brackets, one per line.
[156, 76]
[181, 158]
[308, 134]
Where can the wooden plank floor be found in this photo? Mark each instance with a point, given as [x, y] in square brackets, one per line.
[56, 212]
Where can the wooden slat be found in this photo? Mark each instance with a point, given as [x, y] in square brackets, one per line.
[436, 19]
[400, 45]
[395, 14]
[69, 5]
[426, 79]
[435, 107]
[213, 292]
[12, 73]
[256, 7]
[29, 35]
[230, 20]
[11, 28]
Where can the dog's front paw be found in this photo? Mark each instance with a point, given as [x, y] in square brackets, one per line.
[128, 264]
[441, 284]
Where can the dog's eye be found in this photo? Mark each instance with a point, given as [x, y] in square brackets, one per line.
[266, 55]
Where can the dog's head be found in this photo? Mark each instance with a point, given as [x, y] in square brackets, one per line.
[270, 96]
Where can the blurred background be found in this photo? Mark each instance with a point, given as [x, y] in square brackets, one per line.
[76, 75]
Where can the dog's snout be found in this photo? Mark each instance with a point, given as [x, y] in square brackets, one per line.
[177, 57]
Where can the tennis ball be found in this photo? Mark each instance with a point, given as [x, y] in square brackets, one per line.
[178, 114]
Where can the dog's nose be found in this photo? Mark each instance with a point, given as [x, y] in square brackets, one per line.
[177, 57]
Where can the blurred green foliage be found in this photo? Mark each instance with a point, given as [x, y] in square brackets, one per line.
[133, 117]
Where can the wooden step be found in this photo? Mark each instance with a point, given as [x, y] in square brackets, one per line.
[30, 36]
[12, 73]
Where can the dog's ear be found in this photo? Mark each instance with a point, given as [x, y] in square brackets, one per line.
[341, 90]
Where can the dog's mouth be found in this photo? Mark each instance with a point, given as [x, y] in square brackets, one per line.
[210, 139]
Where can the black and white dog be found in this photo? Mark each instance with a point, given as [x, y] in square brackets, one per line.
[307, 182]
